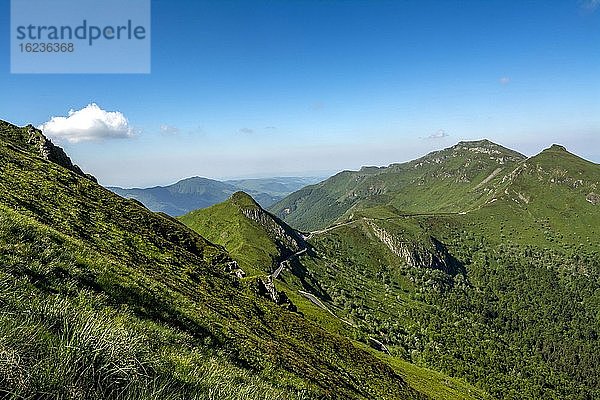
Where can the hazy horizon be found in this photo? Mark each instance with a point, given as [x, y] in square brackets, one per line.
[261, 89]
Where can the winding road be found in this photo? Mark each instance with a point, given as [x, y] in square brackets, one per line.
[282, 264]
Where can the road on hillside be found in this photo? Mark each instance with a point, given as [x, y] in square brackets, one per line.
[320, 304]
[282, 264]
[332, 227]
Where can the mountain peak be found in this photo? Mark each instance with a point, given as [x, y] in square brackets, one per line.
[474, 143]
[557, 147]
[31, 139]
[482, 147]
[243, 199]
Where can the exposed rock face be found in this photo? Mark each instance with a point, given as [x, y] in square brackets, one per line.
[377, 345]
[493, 151]
[31, 139]
[288, 238]
[48, 151]
[417, 255]
[267, 288]
[593, 198]
[233, 268]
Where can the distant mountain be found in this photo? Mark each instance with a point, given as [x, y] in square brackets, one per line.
[195, 193]
[181, 197]
[267, 191]
[451, 180]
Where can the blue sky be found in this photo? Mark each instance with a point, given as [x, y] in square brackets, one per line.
[271, 88]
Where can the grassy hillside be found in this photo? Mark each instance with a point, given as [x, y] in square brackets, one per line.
[453, 180]
[260, 243]
[256, 239]
[503, 294]
[101, 298]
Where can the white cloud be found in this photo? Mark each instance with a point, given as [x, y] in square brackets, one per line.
[438, 135]
[169, 130]
[246, 131]
[505, 80]
[89, 123]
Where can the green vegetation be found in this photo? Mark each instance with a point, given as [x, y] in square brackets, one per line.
[487, 271]
[474, 272]
[255, 239]
[252, 236]
[515, 320]
[453, 180]
[100, 298]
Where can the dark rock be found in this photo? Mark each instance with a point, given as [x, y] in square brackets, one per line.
[48, 151]
[377, 345]
[267, 288]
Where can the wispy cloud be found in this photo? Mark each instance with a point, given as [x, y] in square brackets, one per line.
[590, 5]
[169, 130]
[89, 123]
[317, 106]
[438, 135]
[505, 80]
[246, 131]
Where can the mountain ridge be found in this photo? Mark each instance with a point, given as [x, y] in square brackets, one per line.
[497, 291]
[453, 175]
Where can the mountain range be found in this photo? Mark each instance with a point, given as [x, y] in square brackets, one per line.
[470, 273]
[194, 193]
[474, 261]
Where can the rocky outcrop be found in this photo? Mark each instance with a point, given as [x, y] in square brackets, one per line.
[377, 345]
[48, 151]
[418, 255]
[32, 140]
[266, 288]
[286, 238]
[593, 198]
[233, 268]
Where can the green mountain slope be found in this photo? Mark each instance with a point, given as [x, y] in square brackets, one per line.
[255, 238]
[260, 242]
[554, 195]
[101, 298]
[503, 293]
[456, 179]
